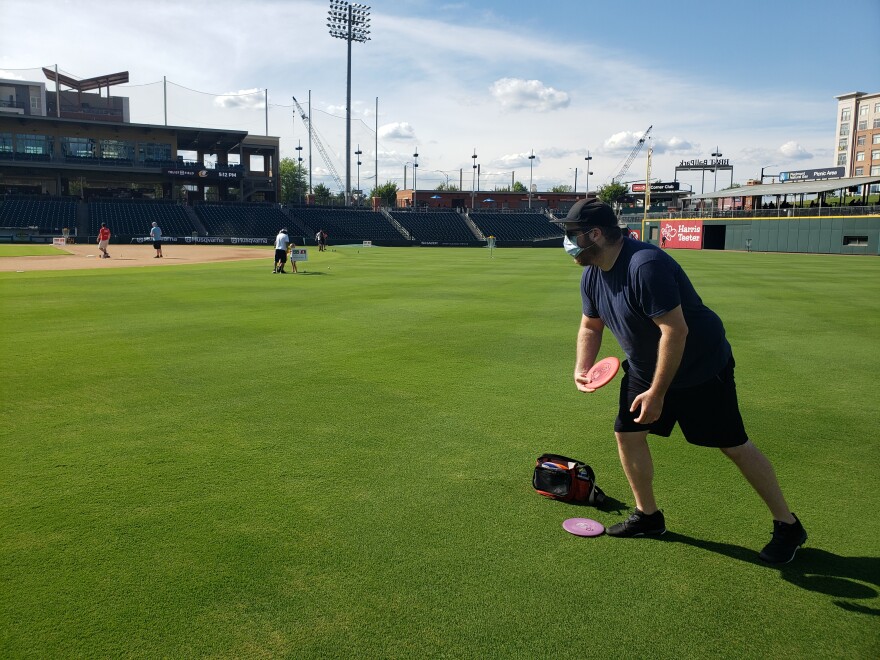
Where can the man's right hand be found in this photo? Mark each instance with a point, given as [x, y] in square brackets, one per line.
[581, 381]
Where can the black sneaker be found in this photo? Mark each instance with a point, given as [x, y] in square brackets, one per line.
[639, 524]
[787, 538]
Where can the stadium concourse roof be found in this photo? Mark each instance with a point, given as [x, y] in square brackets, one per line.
[798, 188]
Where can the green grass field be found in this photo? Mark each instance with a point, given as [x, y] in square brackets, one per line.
[29, 250]
[217, 461]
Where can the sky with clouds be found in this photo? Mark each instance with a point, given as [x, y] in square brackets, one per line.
[754, 80]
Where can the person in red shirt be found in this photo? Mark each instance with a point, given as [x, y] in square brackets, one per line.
[104, 241]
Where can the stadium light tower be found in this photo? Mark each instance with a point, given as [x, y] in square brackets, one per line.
[350, 22]
[588, 159]
[358, 154]
[415, 176]
[531, 161]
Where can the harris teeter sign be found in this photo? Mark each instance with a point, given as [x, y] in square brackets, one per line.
[686, 234]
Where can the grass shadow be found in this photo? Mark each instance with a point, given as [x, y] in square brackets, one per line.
[813, 569]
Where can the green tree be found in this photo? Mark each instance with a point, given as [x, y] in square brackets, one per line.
[294, 183]
[565, 188]
[448, 187]
[322, 194]
[612, 193]
[387, 192]
[519, 187]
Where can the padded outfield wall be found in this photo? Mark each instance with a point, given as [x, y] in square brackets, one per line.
[826, 235]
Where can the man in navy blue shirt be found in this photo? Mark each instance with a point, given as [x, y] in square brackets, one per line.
[678, 369]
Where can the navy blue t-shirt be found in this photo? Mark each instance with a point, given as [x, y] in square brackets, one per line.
[645, 282]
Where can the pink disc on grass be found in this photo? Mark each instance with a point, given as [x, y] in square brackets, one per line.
[583, 527]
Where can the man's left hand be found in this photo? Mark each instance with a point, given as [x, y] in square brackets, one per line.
[651, 404]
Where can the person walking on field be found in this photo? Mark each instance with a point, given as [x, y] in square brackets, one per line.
[281, 243]
[156, 236]
[679, 368]
[104, 241]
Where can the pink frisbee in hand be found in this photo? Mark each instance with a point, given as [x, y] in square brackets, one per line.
[603, 372]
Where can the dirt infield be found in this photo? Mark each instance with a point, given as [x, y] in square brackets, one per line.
[129, 256]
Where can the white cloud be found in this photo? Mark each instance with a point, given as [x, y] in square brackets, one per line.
[794, 151]
[518, 94]
[399, 130]
[248, 99]
[509, 161]
[9, 75]
[621, 142]
[670, 145]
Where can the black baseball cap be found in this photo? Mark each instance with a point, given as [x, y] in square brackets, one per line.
[592, 212]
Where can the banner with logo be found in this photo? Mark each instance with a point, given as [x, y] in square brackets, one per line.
[686, 234]
[299, 254]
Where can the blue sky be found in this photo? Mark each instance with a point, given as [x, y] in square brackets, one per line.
[757, 80]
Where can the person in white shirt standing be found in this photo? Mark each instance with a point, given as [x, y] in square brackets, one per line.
[281, 242]
[156, 237]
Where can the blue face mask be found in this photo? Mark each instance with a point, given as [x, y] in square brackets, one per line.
[571, 248]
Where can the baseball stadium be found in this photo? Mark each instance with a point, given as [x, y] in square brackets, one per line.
[199, 459]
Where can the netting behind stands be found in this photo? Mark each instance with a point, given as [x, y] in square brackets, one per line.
[516, 226]
[435, 226]
[50, 215]
[135, 217]
[348, 225]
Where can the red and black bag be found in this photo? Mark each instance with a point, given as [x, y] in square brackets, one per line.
[566, 479]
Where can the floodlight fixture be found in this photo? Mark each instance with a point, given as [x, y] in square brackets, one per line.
[350, 22]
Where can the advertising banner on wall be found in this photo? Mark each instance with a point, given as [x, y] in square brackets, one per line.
[687, 234]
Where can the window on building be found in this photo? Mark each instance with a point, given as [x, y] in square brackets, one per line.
[876, 108]
[35, 104]
[863, 125]
[860, 156]
[117, 149]
[841, 146]
[860, 171]
[78, 147]
[877, 123]
[863, 110]
[34, 145]
[844, 129]
[846, 114]
[875, 170]
[876, 139]
[841, 159]
[855, 240]
[860, 141]
[149, 152]
[875, 154]
[5, 143]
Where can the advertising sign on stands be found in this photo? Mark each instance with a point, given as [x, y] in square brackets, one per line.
[687, 234]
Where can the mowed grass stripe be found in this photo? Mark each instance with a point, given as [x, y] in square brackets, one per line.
[213, 460]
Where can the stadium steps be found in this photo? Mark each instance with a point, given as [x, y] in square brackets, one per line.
[472, 225]
[399, 227]
[195, 220]
[296, 226]
[82, 218]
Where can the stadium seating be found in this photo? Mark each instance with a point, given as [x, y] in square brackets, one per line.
[435, 226]
[347, 225]
[49, 214]
[525, 227]
[134, 217]
[246, 220]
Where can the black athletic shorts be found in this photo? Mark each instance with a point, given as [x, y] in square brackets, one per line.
[157, 245]
[708, 414]
[281, 255]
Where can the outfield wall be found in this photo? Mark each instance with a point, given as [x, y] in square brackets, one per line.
[826, 235]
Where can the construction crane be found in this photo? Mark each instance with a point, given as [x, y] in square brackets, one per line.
[314, 134]
[632, 156]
